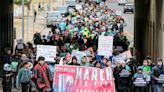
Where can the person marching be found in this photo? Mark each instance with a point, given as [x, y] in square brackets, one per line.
[24, 78]
[42, 76]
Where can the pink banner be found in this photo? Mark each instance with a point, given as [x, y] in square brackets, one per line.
[83, 79]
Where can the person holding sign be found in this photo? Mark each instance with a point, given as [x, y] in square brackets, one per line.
[124, 77]
[139, 81]
[157, 74]
[146, 71]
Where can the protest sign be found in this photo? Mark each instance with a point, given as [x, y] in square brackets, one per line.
[139, 82]
[49, 52]
[20, 44]
[78, 6]
[105, 45]
[124, 73]
[14, 65]
[70, 2]
[78, 54]
[161, 79]
[123, 56]
[83, 79]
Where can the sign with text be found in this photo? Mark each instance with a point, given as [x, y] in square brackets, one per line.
[49, 52]
[105, 45]
[83, 79]
[140, 82]
[123, 56]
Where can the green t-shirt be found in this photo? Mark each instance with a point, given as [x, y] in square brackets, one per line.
[146, 69]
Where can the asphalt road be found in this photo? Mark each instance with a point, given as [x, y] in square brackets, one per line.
[129, 30]
[128, 17]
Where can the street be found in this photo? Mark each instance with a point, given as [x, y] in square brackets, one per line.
[40, 26]
[129, 19]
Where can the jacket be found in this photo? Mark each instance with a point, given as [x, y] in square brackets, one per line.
[156, 72]
[42, 76]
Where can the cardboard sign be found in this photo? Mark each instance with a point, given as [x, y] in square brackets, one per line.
[83, 79]
[49, 52]
[105, 45]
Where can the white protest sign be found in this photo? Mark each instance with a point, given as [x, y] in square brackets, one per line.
[20, 44]
[140, 82]
[78, 55]
[78, 6]
[123, 56]
[61, 9]
[70, 2]
[105, 45]
[49, 52]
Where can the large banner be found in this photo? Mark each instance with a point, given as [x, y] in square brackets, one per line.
[49, 52]
[105, 45]
[83, 79]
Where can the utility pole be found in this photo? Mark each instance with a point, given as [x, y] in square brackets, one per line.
[23, 20]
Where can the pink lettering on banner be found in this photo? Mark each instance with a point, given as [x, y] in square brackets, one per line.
[83, 79]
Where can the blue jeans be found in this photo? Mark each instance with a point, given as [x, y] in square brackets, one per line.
[158, 87]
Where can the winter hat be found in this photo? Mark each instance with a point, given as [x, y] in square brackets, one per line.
[139, 68]
[7, 67]
[74, 57]
[106, 57]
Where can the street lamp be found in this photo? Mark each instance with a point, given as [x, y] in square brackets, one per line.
[23, 20]
[27, 20]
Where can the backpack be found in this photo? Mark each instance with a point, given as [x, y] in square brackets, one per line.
[25, 76]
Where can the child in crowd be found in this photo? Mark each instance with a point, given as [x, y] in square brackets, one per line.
[139, 81]
[146, 71]
[24, 78]
[97, 64]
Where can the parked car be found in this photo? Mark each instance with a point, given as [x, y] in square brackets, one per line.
[129, 8]
[122, 2]
[52, 16]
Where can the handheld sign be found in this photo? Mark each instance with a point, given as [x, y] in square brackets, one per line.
[140, 82]
[105, 45]
[49, 52]
[124, 73]
[161, 79]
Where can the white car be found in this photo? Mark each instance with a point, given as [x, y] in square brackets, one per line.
[129, 8]
[52, 16]
[122, 2]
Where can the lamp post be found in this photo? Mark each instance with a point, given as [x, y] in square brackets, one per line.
[23, 20]
[27, 21]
